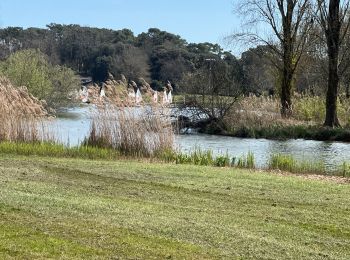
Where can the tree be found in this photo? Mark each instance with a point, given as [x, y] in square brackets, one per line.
[156, 56]
[333, 17]
[212, 90]
[257, 70]
[103, 65]
[290, 22]
[29, 68]
[44, 81]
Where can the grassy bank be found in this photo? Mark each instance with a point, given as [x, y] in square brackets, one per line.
[74, 208]
[260, 117]
[280, 132]
[286, 163]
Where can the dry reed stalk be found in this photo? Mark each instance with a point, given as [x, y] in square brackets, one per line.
[132, 131]
[20, 114]
[258, 112]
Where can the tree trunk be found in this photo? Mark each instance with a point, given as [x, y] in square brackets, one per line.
[287, 73]
[333, 42]
[286, 95]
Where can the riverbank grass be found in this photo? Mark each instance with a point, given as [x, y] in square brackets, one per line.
[49, 149]
[197, 157]
[280, 132]
[83, 209]
[290, 164]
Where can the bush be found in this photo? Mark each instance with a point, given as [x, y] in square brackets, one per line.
[44, 81]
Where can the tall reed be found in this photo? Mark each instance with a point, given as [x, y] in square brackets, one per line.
[134, 132]
[20, 115]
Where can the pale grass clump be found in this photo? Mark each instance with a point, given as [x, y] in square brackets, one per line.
[263, 111]
[134, 132]
[20, 114]
[253, 111]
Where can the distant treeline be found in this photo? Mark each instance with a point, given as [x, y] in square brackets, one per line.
[155, 55]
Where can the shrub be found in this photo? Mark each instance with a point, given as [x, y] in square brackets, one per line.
[31, 68]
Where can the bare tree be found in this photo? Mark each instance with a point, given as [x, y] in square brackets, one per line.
[211, 91]
[333, 17]
[289, 23]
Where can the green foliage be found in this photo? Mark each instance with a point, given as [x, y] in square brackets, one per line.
[223, 161]
[101, 68]
[309, 108]
[313, 108]
[154, 55]
[294, 131]
[31, 68]
[206, 158]
[290, 164]
[65, 82]
[345, 169]
[56, 150]
[246, 161]
[197, 157]
[282, 162]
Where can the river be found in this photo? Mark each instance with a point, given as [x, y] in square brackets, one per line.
[72, 126]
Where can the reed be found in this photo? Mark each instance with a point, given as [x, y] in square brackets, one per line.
[281, 162]
[20, 115]
[137, 133]
[344, 169]
[246, 161]
[224, 161]
[197, 157]
[290, 164]
[252, 115]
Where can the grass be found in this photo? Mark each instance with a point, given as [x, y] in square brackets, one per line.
[197, 157]
[259, 117]
[82, 209]
[293, 131]
[47, 149]
[206, 158]
[246, 161]
[290, 164]
[345, 169]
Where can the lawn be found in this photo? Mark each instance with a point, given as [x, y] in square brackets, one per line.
[75, 208]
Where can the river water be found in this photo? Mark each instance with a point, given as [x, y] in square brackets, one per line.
[72, 126]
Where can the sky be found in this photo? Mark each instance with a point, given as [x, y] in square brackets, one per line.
[194, 20]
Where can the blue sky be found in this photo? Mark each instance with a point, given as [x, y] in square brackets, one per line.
[193, 20]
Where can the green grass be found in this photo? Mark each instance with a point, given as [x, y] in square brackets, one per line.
[289, 163]
[297, 132]
[344, 169]
[246, 161]
[57, 150]
[206, 158]
[83, 209]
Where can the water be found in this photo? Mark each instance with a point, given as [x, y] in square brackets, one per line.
[73, 125]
